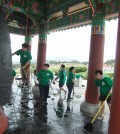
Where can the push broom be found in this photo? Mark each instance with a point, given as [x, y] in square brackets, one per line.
[88, 126]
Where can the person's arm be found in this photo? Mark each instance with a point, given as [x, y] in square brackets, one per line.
[59, 75]
[109, 82]
[51, 76]
[97, 83]
[98, 90]
[16, 52]
[73, 78]
[37, 77]
[28, 62]
[13, 54]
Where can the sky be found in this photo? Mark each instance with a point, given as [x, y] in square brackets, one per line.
[70, 44]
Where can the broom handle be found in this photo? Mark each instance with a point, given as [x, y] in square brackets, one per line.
[100, 109]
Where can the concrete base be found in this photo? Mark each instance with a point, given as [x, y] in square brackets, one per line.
[89, 109]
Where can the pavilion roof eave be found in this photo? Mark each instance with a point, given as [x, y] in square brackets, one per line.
[112, 16]
[109, 17]
[70, 26]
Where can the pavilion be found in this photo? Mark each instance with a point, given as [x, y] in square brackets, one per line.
[30, 17]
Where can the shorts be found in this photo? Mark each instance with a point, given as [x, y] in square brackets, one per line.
[61, 85]
[102, 98]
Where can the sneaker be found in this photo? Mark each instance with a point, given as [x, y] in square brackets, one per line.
[68, 100]
[49, 96]
[68, 109]
[100, 117]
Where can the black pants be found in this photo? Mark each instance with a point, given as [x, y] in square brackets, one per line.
[70, 88]
[44, 91]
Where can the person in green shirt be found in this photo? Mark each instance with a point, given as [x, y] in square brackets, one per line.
[104, 85]
[25, 58]
[44, 76]
[62, 78]
[70, 82]
[13, 75]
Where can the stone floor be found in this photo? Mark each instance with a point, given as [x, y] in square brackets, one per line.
[26, 116]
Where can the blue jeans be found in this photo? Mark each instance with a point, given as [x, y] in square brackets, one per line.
[70, 88]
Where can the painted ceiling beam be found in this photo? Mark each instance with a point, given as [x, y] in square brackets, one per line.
[63, 6]
[92, 6]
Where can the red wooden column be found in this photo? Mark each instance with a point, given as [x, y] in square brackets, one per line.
[114, 126]
[42, 46]
[91, 104]
[95, 58]
[96, 52]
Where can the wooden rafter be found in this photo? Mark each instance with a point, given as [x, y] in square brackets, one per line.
[92, 6]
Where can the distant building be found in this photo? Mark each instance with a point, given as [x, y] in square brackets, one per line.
[107, 67]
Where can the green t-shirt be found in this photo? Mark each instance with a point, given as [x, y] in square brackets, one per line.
[105, 85]
[13, 73]
[62, 76]
[44, 77]
[25, 56]
[70, 77]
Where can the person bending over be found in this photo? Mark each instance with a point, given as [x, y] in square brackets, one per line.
[104, 85]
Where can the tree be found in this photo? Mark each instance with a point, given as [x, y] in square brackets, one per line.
[112, 61]
[84, 62]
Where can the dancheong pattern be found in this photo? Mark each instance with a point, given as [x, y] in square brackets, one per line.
[61, 14]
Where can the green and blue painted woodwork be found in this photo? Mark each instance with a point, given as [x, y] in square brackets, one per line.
[40, 11]
[98, 26]
[43, 37]
[31, 6]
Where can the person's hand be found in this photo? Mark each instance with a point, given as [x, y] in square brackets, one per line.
[110, 92]
[98, 95]
[53, 82]
[23, 67]
[13, 54]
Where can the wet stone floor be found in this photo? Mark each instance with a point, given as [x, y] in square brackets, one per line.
[27, 116]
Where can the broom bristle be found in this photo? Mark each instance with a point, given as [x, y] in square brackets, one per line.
[88, 127]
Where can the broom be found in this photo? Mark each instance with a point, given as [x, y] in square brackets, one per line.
[89, 126]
